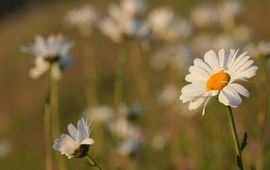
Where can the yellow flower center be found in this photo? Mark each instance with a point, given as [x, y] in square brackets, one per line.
[218, 81]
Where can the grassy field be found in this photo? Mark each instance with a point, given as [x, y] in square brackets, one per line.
[171, 137]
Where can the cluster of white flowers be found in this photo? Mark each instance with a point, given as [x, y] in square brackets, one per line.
[129, 134]
[122, 21]
[224, 14]
[166, 26]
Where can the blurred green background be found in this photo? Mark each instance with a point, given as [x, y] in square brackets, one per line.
[193, 142]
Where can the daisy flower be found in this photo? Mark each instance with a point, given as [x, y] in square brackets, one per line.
[84, 18]
[218, 75]
[52, 52]
[75, 145]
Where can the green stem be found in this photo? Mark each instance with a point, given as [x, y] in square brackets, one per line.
[47, 127]
[55, 118]
[121, 61]
[92, 162]
[235, 138]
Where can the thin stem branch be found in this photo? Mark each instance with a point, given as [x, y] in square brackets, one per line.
[92, 162]
[120, 69]
[47, 126]
[55, 119]
[235, 138]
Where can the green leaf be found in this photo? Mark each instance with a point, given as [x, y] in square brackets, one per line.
[239, 162]
[244, 142]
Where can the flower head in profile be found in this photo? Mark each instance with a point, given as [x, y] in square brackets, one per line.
[52, 52]
[75, 145]
[84, 18]
[218, 75]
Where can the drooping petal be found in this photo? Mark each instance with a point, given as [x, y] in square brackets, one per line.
[65, 144]
[194, 104]
[88, 141]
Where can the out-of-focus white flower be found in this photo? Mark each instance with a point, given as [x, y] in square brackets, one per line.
[5, 148]
[124, 129]
[166, 26]
[84, 18]
[133, 7]
[260, 50]
[99, 114]
[75, 145]
[122, 23]
[204, 42]
[169, 95]
[177, 56]
[128, 147]
[228, 12]
[216, 76]
[204, 16]
[52, 52]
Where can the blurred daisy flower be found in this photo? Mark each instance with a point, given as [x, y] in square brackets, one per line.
[128, 147]
[122, 21]
[99, 114]
[204, 16]
[217, 75]
[84, 18]
[52, 52]
[75, 145]
[260, 50]
[177, 56]
[228, 13]
[166, 26]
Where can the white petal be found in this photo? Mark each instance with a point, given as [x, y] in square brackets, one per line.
[194, 104]
[73, 131]
[88, 141]
[199, 63]
[221, 58]
[204, 105]
[233, 98]
[222, 98]
[240, 89]
[197, 71]
[244, 75]
[211, 59]
[65, 144]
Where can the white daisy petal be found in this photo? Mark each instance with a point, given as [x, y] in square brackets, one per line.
[88, 141]
[199, 63]
[233, 98]
[221, 58]
[211, 59]
[240, 89]
[194, 104]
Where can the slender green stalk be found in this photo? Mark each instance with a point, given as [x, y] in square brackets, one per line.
[47, 127]
[121, 62]
[55, 119]
[92, 162]
[90, 73]
[235, 138]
